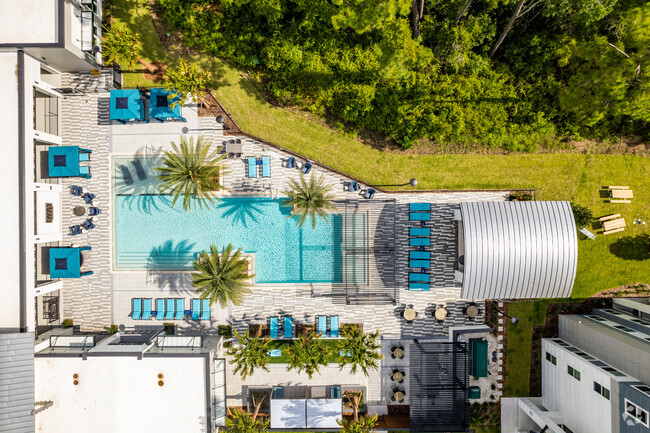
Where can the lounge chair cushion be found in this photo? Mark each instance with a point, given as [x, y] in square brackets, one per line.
[266, 166]
[419, 255]
[160, 310]
[169, 315]
[273, 327]
[419, 264]
[137, 308]
[420, 216]
[196, 309]
[252, 167]
[419, 207]
[419, 277]
[420, 231]
[288, 327]
[180, 309]
[420, 242]
[205, 310]
[419, 287]
[334, 326]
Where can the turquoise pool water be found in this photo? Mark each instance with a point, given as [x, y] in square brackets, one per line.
[151, 235]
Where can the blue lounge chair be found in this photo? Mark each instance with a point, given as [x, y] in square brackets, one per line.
[419, 255]
[94, 211]
[84, 156]
[146, 309]
[278, 393]
[266, 166]
[275, 353]
[137, 307]
[419, 277]
[420, 207]
[126, 175]
[369, 194]
[420, 242]
[354, 186]
[84, 171]
[76, 230]
[169, 314]
[139, 170]
[420, 231]
[419, 264]
[180, 309]
[196, 309]
[420, 216]
[160, 309]
[76, 190]
[89, 197]
[322, 325]
[291, 162]
[419, 287]
[252, 167]
[306, 167]
[273, 327]
[205, 311]
[334, 326]
[288, 327]
[345, 352]
[88, 224]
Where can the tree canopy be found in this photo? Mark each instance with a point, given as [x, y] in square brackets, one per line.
[512, 74]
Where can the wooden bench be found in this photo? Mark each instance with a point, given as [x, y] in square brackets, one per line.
[620, 201]
[618, 187]
[609, 232]
[609, 217]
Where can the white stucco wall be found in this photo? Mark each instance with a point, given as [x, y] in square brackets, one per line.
[28, 21]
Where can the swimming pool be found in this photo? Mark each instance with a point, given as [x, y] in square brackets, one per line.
[149, 234]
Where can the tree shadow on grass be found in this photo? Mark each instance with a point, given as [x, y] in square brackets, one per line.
[632, 247]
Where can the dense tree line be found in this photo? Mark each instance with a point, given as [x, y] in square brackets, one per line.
[513, 74]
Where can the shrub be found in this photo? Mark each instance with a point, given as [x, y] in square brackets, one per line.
[582, 214]
[112, 329]
[225, 331]
[67, 323]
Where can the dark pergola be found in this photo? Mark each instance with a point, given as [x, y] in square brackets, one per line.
[364, 252]
[438, 387]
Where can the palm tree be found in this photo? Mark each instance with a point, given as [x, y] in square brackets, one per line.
[362, 350]
[242, 422]
[364, 425]
[249, 354]
[309, 199]
[308, 354]
[120, 44]
[221, 277]
[186, 79]
[191, 170]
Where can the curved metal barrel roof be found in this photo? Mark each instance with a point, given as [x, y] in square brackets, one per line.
[518, 249]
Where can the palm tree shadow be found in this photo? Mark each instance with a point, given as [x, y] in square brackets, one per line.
[632, 247]
[242, 211]
[169, 265]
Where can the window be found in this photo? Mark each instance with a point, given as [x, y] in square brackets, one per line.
[643, 388]
[601, 390]
[573, 372]
[552, 359]
[634, 411]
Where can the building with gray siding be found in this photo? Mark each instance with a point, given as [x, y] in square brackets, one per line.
[17, 382]
[595, 378]
[516, 250]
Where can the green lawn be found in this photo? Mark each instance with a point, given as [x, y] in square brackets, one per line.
[575, 177]
[284, 345]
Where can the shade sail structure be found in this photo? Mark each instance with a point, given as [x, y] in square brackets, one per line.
[63, 161]
[66, 262]
[160, 105]
[288, 414]
[126, 105]
[518, 249]
[323, 413]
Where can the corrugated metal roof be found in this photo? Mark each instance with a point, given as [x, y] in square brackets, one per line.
[17, 382]
[518, 249]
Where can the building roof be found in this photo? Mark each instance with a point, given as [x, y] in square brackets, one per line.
[306, 413]
[17, 382]
[518, 249]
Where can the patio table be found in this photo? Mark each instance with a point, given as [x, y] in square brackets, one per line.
[399, 396]
[236, 148]
[472, 311]
[398, 376]
[410, 314]
[441, 314]
[79, 210]
[399, 353]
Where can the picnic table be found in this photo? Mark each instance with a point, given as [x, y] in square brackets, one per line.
[620, 194]
[612, 224]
